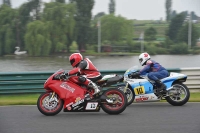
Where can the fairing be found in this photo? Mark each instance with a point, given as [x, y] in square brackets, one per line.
[67, 90]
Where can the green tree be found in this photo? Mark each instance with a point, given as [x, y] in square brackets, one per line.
[150, 34]
[83, 19]
[60, 19]
[183, 35]
[9, 40]
[168, 42]
[61, 1]
[112, 7]
[7, 2]
[116, 28]
[93, 39]
[22, 20]
[194, 16]
[98, 15]
[71, 23]
[35, 6]
[168, 5]
[37, 39]
[175, 26]
[185, 13]
[24, 12]
[180, 48]
[7, 30]
[173, 14]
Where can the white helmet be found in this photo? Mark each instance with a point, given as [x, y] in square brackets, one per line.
[143, 58]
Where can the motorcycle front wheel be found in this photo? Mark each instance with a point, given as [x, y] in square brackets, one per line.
[119, 104]
[129, 94]
[49, 105]
[178, 95]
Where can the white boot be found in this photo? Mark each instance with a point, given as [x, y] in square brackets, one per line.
[94, 86]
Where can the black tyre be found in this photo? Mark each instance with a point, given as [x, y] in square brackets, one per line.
[49, 107]
[119, 104]
[178, 95]
[129, 94]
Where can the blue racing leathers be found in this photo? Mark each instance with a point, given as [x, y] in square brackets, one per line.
[154, 70]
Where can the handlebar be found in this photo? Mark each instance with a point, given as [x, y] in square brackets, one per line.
[58, 77]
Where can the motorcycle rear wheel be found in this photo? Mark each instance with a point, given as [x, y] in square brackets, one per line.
[179, 95]
[47, 107]
[119, 104]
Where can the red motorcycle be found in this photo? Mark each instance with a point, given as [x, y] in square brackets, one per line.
[65, 94]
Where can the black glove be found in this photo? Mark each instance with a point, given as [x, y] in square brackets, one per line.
[64, 75]
[134, 75]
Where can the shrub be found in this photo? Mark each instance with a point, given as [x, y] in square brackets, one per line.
[73, 47]
[180, 48]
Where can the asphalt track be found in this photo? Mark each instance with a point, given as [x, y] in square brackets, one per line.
[137, 118]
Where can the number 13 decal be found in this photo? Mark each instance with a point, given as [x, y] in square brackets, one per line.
[91, 105]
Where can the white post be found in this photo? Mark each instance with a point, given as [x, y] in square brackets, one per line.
[99, 36]
[189, 31]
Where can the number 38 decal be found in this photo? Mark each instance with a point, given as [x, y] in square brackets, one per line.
[139, 90]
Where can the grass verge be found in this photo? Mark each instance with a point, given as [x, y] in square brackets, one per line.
[21, 99]
[31, 99]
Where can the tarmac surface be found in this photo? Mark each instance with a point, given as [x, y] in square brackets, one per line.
[156, 117]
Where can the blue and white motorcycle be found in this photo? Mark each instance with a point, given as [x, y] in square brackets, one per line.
[142, 89]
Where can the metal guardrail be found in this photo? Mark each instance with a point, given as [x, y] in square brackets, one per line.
[193, 80]
[32, 82]
[29, 82]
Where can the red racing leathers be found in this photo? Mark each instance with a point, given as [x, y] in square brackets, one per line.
[88, 72]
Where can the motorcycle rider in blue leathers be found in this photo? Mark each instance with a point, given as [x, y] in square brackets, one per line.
[153, 70]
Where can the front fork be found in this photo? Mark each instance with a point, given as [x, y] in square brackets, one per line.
[125, 88]
[53, 97]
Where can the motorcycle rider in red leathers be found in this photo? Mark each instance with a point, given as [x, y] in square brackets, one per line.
[88, 72]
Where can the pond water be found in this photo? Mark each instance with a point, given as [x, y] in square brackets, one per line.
[24, 63]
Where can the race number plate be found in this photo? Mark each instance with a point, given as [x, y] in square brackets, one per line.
[139, 90]
[91, 106]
